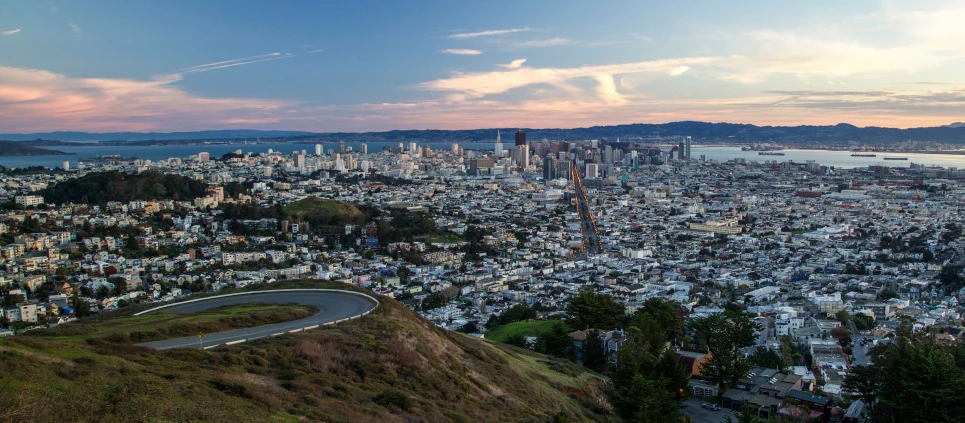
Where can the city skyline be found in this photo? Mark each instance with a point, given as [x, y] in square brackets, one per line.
[105, 66]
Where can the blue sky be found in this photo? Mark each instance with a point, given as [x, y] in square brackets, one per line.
[356, 66]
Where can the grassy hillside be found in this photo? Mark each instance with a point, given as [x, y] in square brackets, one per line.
[525, 328]
[388, 366]
[158, 326]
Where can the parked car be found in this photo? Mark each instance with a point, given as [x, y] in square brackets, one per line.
[710, 406]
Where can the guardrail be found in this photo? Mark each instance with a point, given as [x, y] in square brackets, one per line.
[207, 347]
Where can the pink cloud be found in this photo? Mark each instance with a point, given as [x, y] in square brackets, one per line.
[37, 100]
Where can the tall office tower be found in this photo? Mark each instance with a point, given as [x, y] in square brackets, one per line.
[608, 155]
[300, 161]
[339, 163]
[498, 148]
[520, 137]
[350, 162]
[319, 150]
[401, 148]
[597, 156]
[412, 147]
[635, 160]
[341, 146]
[523, 156]
[203, 157]
[365, 149]
[266, 171]
[594, 143]
[680, 150]
[564, 169]
[455, 149]
[549, 167]
[331, 152]
[426, 151]
[687, 142]
[592, 170]
[66, 165]
[365, 166]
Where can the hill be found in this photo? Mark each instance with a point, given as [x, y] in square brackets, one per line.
[21, 149]
[841, 135]
[391, 365]
[101, 187]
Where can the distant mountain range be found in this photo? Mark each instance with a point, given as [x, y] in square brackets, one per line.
[703, 132]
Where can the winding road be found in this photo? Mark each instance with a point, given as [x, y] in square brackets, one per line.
[333, 305]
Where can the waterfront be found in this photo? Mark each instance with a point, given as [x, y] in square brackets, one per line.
[838, 159]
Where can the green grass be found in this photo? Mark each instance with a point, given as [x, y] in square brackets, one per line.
[390, 365]
[167, 325]
[321, 206]
[525, 328]
[444, 238]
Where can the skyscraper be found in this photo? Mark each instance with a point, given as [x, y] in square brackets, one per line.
[318, 150]
[549, 167]
[300, 161]
[341, 146]
[498, 148]
[365, 149]
[687, 142]
[520, 137]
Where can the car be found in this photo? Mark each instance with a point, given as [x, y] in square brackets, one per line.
[710, 406]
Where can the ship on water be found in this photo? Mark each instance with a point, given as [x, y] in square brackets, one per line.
[896, 158]
[769, 153]
[863, 155]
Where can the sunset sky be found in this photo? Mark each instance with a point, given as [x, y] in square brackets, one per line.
[360, 66]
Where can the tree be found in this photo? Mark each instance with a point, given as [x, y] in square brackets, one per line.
[724, 335]
[555, 342]
[648, 382]
[120, 284]
[589, 310]
[517, 340]
[912, 379]
[668, 314]
[788, 353]
[768, 359]
[594, 352]
[81, 308]
[403, 273]
[469, 327]
[517, 313]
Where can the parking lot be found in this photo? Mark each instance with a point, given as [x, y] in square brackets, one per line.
[699, 414]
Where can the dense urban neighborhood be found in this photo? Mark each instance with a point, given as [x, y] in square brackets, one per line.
[767, 287]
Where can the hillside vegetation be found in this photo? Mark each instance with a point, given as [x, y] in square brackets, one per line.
[390, 366]
[101, 187]
[8, 148]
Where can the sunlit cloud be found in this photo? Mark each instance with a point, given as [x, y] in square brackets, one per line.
[461, 51]
[37, 100]
[74, 27]
[10, 32]
[488, 33]
[515, 64]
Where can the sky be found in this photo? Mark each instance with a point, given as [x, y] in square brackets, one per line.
[324, 66]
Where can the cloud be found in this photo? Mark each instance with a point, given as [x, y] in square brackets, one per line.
[515, 64]
[552, 42]
[10, 32]
[314, 51]
[488, 33]
[74, 27]
[237, 62]
[37, 100]
[461, 51]
[480, 84]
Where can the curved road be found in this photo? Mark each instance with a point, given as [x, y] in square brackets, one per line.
[332, 305]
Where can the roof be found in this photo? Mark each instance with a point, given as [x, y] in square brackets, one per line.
[807, 397]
